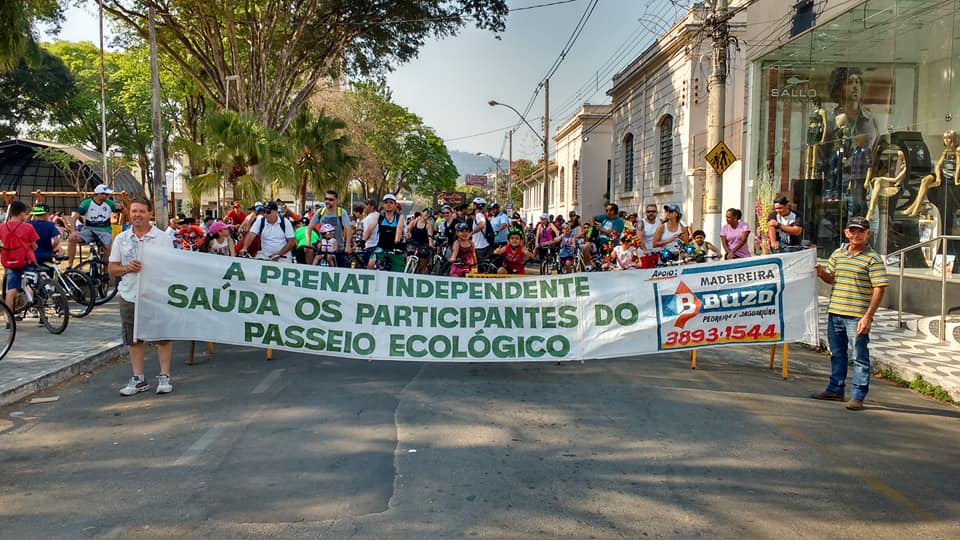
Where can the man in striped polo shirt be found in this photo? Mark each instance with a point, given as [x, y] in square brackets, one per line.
[859, 279]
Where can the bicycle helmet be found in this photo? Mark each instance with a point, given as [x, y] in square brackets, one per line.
[462, 227]
[480, 201]
[325, 228]
[514, 231]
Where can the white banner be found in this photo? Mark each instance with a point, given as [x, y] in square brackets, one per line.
[391, 316]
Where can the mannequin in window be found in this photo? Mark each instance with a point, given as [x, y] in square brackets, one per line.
[816, 135]
[890, 161]
[858, 164]
[944, 171]
[838, 159]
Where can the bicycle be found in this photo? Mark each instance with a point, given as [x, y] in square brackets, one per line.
[384, 260]
[46, 296]
[549, 264]
[96, 267]
[78, 286]
[412, 266]
[8, 329]
[440, 263]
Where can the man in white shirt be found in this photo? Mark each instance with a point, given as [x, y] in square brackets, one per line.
[125, 262]
[479, 224]
[650, 224]
[371, 233]
[277, 238]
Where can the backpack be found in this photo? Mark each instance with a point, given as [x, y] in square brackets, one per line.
[14, 254]
[488, 232]
[254, 246]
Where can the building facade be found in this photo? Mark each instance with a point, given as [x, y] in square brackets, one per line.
[659, 122]
[532, 187]
[583, 161]
[850, 103]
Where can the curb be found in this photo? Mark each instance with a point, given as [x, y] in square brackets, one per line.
[75, 366]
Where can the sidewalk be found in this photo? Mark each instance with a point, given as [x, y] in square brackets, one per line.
[39, 360]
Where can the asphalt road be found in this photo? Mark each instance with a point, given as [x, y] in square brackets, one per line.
[312, 447]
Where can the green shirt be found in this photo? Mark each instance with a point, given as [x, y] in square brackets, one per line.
[854, 278]
[301, 235]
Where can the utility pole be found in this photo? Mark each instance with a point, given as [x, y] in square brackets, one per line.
[718, 22]
[159, 174]
[510, 168]
[105, 173]
[546, 146]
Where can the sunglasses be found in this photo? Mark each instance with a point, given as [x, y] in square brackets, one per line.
[331, 199]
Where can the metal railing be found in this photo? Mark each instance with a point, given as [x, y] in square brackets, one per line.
[943, 280]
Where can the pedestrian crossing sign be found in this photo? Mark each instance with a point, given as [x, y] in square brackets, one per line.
[720, 158]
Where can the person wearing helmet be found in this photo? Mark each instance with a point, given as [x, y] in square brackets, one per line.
[328, 246]
[463, 256]
[513, 254]
[480, 241]
[390, 227]
[547, 236]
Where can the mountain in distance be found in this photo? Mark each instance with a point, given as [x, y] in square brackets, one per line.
[471, 163]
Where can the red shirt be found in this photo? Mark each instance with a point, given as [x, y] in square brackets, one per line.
[513, 259]
[236, 216]
[25, 232]
[190, 236]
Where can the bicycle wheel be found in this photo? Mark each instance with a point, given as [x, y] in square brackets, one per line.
[441, 267]
[8, 329]
[53, 305]
[80, 290]
[103, 283]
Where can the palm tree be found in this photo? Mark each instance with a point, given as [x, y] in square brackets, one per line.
[237, 144]
[318, 151]
[17, 34]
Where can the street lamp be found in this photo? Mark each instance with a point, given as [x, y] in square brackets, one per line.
[543, 139]
[496, 163]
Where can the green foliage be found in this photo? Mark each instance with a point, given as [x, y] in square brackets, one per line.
[30, 92]
[18, 19]
[523, 168]
[918, 384]
[318, 154]
[408, 154]
[281, 50]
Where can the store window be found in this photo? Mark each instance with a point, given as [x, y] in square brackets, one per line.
[628, 162]
[665, 129]
[576, 182]
[561, 181]
[853, 117]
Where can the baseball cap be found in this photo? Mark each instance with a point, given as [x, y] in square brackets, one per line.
[305, 220]
[40, 209]
[673, 208]
[102, 189]
[217, 227]
[494, 205]
[390, 197]
[444, 208]
[858, 222]
[236, 204]
[544, 216]
[270, 206]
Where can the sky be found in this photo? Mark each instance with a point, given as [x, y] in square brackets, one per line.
[452, 80]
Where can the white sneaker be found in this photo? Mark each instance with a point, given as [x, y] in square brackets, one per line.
[163, 385]
[135, 386]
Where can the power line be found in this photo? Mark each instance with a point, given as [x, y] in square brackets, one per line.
[511, 127]
[543, 5]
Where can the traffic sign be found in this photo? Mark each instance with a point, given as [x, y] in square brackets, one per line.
[720, 158]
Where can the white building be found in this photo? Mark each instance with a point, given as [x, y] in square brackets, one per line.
[532, 187]
[583, 161]
[659, 123]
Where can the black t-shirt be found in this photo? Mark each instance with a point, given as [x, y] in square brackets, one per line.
[790, 219]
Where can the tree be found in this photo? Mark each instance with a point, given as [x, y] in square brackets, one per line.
[30, 92]
[236, 145]
[319, 154]
[404, 154]
[18, 19]
[282, 50]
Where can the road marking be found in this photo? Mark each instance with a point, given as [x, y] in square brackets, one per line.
[192, 453]
[873, 483]
[267, 381]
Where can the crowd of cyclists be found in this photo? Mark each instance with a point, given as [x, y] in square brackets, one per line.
[467, 239]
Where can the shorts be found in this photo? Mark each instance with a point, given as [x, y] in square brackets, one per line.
[127, 310]
[15, 277]
[460, 270]
[565, 253]
[86, 234]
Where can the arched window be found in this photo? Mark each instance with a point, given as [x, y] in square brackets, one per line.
[628, 162]
[665, 127]
[576, 182]
[561, 180]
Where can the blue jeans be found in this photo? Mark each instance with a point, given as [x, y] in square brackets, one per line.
[840, 329]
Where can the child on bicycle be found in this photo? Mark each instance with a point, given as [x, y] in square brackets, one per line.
[328, 247]
[568, 248]
[464, 255]
[514, 255]
[625, 255]
[700, 248]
